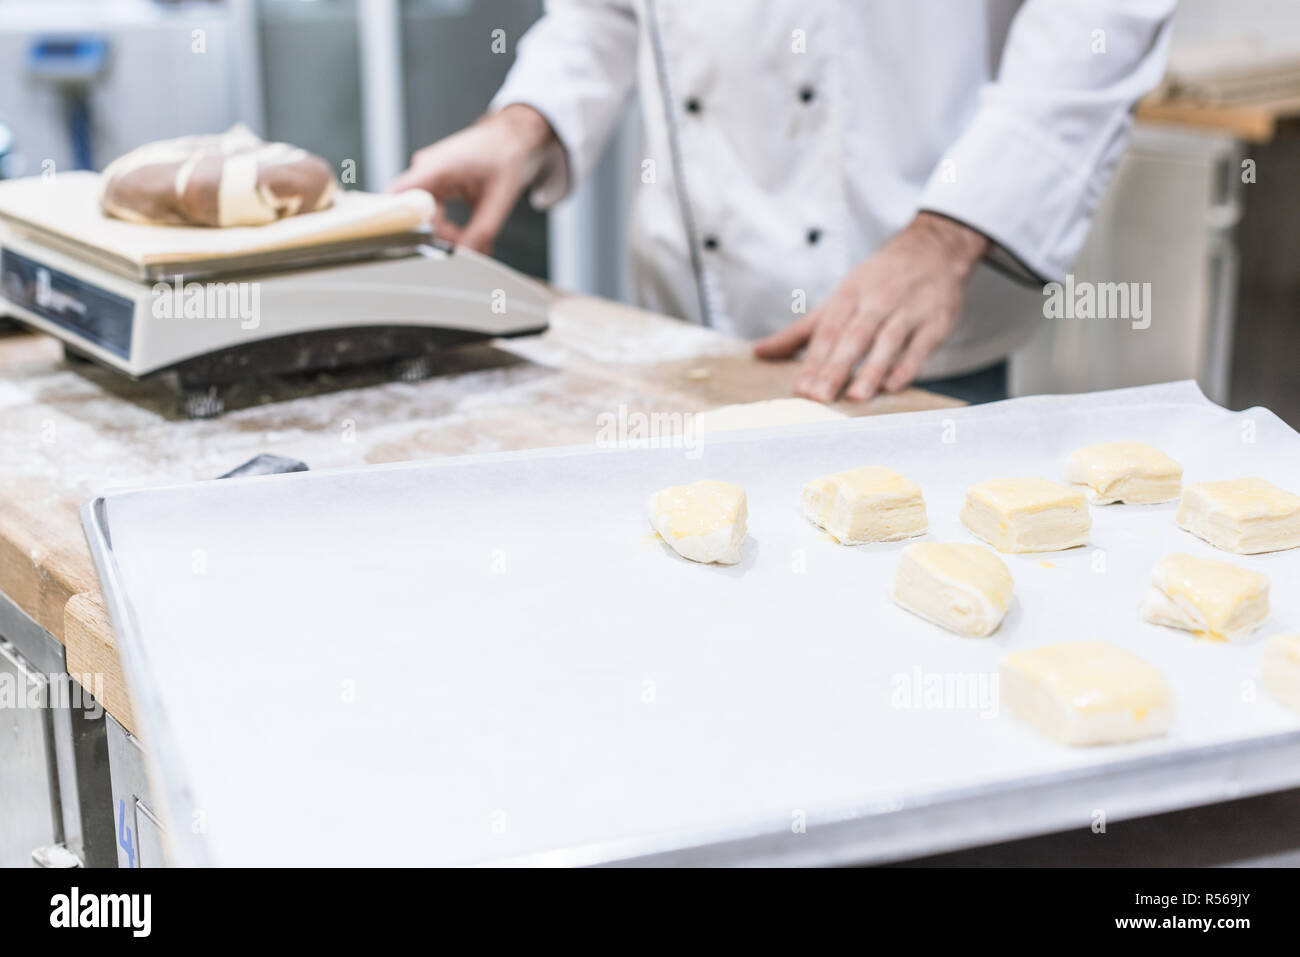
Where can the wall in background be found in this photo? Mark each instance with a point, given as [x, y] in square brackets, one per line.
[1267, 343]
[451, 74]
[310, 73]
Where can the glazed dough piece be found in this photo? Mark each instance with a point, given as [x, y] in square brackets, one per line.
[1213, 599]
[1245, 516]
[755, 415]
[1085, 693]
[1131, 472]
[1027, 515]
[704, 521]
[962, 587]
[1279, 669]
[870, 504]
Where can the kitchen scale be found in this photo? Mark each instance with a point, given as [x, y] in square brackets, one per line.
[361, 283]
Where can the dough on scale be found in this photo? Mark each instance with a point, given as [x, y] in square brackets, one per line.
[1279, 669]
[228, 179]
[870, 504]
[1027, 515]
[756, 415]
[1213, 599]
[1086, 693]
[1245, 516]
[1130, 472]
[703, 521]
[962, 587]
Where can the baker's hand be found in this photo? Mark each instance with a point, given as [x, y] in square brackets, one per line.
[487, 165]
[894, 309]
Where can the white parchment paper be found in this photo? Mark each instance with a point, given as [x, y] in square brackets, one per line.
[484, 658]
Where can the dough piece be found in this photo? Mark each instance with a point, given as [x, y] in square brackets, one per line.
[1131, 472]
[870, 504]
[1085, 693]
[1279, 669]
[756, 415]
[230, 179]
[1213, 599]
[1245, 516]
[964, 588]
[1027, 515]
[704, 521]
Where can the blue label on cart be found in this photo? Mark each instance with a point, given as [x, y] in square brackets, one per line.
[93, 314]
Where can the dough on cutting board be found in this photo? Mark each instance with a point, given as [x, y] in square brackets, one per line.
[1086, 693]
[228, 179]
[1027, 515]
[755, 415]
[1279, 669]
[703, 521]
[1246, 516]
[1211, 598]
[1130, 472]
[868, 504]
[962, 587]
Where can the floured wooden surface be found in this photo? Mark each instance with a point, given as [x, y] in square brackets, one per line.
[72, 432]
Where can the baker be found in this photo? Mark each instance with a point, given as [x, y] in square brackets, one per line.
[864, 182]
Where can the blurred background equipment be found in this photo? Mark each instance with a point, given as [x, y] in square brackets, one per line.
[131, 68]
[71, 64]
[6, 149]
[1234, 72]
[1168, 219]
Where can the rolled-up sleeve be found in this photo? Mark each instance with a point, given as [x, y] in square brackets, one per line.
[575, 66]
[1030, 168]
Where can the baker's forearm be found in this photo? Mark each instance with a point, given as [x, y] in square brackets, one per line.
[963, 246]
[526, 127]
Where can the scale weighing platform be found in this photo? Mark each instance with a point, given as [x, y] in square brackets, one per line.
[363, 282]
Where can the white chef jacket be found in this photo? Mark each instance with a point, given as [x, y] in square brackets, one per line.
[787, 140]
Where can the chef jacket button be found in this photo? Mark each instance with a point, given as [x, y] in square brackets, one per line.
[710, 243]
[692, 105]
[814, 236]
[807, 93]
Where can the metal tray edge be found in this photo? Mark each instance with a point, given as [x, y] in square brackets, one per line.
[186, 847]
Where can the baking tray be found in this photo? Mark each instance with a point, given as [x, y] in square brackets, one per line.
[489, 659]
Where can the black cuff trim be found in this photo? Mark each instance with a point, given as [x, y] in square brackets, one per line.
[999, 256]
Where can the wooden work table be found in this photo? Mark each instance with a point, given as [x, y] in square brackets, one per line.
[72, 431]
[1254, 122]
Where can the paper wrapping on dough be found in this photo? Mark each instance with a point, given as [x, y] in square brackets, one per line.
[226, 179]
